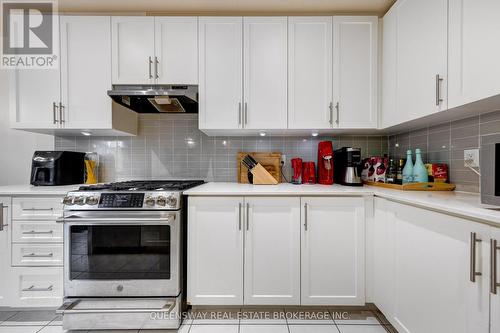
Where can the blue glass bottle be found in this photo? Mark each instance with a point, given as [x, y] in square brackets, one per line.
[408, 169]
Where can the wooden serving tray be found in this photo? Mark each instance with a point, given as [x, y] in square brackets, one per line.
[270, 161]
[415, 186]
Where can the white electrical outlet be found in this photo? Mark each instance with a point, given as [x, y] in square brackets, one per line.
[283, 159]
[471, 158]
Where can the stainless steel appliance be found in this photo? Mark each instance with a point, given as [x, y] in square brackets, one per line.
[348, 165]
[157, 99]
[51, 168]
[123, 255]
[490, 170]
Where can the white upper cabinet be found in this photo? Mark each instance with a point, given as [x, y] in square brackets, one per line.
[272, 251]
[421, 57]
[221, 72]
[34, 99]
[474, 50]
[176, 50]
[85, 75]
[355, 64]
[215, 256]
[265, 72]
[310, 103]
[333, 251]
[133, 49]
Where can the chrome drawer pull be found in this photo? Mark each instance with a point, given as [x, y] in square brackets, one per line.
[68, 308]
[34, 255]
[35, 209]
[2, 224]
[33, 232]
[33, 288]
[493, 266]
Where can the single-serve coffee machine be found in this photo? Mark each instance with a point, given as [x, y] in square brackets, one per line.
[348, 166]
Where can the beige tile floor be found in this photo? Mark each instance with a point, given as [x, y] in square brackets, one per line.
[225, 321]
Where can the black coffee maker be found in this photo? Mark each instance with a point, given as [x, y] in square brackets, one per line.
[51, 168]
[348, 165]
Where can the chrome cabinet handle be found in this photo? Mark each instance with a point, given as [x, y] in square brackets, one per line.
[305, 216]
[246, 113]
[32, 209]
[248, 216]
[156, 68]
[150, 63]
[338, 113]
[33, 232]
[331, 113]
[239, 216]
[473, 241]
[33, 288]
[34, 255]
[2, 225]
[54, 111]
[61, 113]
[239, 113]
[438, 90]
[493, 266]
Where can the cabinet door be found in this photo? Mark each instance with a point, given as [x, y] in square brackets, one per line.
[474, 32]
[333, 251]
[265, 72]
[34, 98]
[383, 255]
[421, 56]
[132, 49]
[215, 251]
[310, 73]
[389, 114]
[176, 50]
[432, 272]
[85, 74]
[272, 251]
[221, 72]
[355, 71]
[4, 250]
[495, 297]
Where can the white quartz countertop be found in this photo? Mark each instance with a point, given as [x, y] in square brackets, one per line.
[461, 204]
[15, 190]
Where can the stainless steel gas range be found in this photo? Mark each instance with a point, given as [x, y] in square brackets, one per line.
[123, 255]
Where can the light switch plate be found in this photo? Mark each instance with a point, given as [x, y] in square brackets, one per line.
[471, 158]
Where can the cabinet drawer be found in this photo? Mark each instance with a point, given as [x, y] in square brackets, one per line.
[37, 232]
[36, 287]
[37, 255]
[36, 208]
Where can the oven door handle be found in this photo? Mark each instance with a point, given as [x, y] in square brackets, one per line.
[170, 218]
[68, 308]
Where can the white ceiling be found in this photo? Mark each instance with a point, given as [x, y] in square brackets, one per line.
[225, 7]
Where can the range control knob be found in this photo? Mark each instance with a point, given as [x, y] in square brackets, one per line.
[161, 201]
[149, 201]
[92, 200]
[171, 201]
[68, 200]
[79, 201]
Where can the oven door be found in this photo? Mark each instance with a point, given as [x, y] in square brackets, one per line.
[121, 254]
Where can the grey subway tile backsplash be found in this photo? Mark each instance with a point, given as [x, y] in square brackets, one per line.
[171, 146]
[446, 142]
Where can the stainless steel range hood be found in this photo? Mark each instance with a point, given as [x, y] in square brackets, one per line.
[157, 99]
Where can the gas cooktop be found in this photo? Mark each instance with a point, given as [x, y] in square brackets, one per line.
[144, 185]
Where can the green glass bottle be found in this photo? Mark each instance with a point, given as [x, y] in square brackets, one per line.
[420, 174]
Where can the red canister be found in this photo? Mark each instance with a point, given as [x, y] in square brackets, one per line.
[308, 173]
[297, 170]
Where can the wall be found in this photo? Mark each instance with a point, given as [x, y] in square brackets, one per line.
[17, 146]
[171, 146]
[445, 143]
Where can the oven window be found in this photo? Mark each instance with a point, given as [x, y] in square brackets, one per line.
[115, 252]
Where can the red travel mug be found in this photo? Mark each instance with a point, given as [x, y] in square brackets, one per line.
[308, 173]
[297, 170]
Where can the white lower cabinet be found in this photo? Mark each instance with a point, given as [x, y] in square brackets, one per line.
[36, 287]
[272, 251]
[4, 249]
[215, 251]
[247, 251]
[424, 270]
[333, 251]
